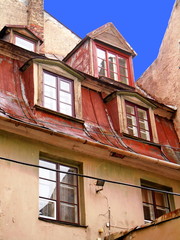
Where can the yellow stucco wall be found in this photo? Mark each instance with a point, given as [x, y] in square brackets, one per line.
[167, 231]
[13, 12]
[58, 39]
[19, 188]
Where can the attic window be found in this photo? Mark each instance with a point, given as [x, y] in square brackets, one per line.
[24, 43]
[138, 123]
[113, 65]
[58, 93]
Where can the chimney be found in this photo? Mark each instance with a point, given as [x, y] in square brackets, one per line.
[35, 18]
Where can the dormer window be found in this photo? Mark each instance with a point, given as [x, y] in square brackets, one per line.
[21, 36]
[55, 88]
[24, 43]
[138, 123]
[132, 115]
[113, 65]
[58, 93]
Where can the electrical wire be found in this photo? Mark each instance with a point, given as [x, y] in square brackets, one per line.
[90, 177]
[91, 131]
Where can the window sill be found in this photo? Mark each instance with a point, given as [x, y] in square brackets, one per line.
[62, 223]
[116, 83]
[59, 114]
[126, 135]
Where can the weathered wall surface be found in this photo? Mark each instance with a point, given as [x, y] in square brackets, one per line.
[166, 230]
[162, 79]
[81, 59]
[59, 40]
[19, 188]
[13, 12]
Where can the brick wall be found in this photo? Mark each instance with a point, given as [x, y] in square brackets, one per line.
[35, 18]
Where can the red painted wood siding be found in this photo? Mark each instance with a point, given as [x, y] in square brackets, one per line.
[80, 60]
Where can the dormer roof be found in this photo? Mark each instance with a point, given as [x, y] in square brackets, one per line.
[109, 34]
[22, 29]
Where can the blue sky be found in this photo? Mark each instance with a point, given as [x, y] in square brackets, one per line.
[141, 22]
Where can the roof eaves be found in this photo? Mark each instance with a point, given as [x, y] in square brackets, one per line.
[96, 32]
[45, 60]
[3, 31]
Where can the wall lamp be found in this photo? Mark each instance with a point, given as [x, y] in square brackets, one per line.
[100, 183]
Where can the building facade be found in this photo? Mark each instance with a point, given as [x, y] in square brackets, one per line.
[161, 79]
[83, 153]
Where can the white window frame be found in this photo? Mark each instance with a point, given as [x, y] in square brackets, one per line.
[39, 66]
[21, 41]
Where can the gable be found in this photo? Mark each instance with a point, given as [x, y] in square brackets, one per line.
[20, 29]
[111, 36]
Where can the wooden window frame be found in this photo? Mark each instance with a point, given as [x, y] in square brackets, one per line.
[25, 39]
[58, 79]
[58, 200]
[136, 107]
[107, 51]
[152, 203]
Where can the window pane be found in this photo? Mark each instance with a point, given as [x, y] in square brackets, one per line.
[148, 212]
[122, 62]
[113, 76]
[66, 109]
[133, 131]
[24, 43]
[65, 97]
[101, 54]
[112, 67]
[68, 193]
[143, 124]
[50, 103]
[147, 196]
[47, 189]
[124, 79]
[65, 86]
[145, 135]
[112, 62]
[123, 71]
[43, 173]
[129, 109]
[49, 80]
[101, 63]
[142, 114]
[47, 208]
[111, 58]
[161, 211]
[161, 199]
[49, 91]
[68, 178]
[68, 213]
[131, 120]
[102, 72]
